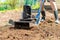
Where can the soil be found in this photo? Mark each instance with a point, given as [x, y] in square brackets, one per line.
[47, 30]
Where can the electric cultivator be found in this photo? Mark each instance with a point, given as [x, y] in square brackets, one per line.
[27, 17]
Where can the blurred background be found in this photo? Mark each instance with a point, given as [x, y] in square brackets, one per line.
[16, 4]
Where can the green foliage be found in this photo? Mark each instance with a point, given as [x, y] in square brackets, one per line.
[36, 6]
[12, 4]
[8, 4]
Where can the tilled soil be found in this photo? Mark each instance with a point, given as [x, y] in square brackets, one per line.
[47, 30]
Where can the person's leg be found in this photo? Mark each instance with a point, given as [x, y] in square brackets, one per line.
[42, 13]
[54, 8]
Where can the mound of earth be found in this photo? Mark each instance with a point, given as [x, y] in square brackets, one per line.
[47, 30]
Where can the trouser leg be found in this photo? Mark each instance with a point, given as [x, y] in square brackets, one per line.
[54, 8]
[43, 12]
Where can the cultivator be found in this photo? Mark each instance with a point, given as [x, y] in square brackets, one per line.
[27, 18]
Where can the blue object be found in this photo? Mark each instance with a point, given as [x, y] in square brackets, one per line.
[39, 11]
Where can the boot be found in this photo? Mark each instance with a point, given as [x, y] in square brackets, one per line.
[56, 17]
[43, 15]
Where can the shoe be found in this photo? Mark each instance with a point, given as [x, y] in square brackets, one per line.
[42, 20]
[57, 22]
